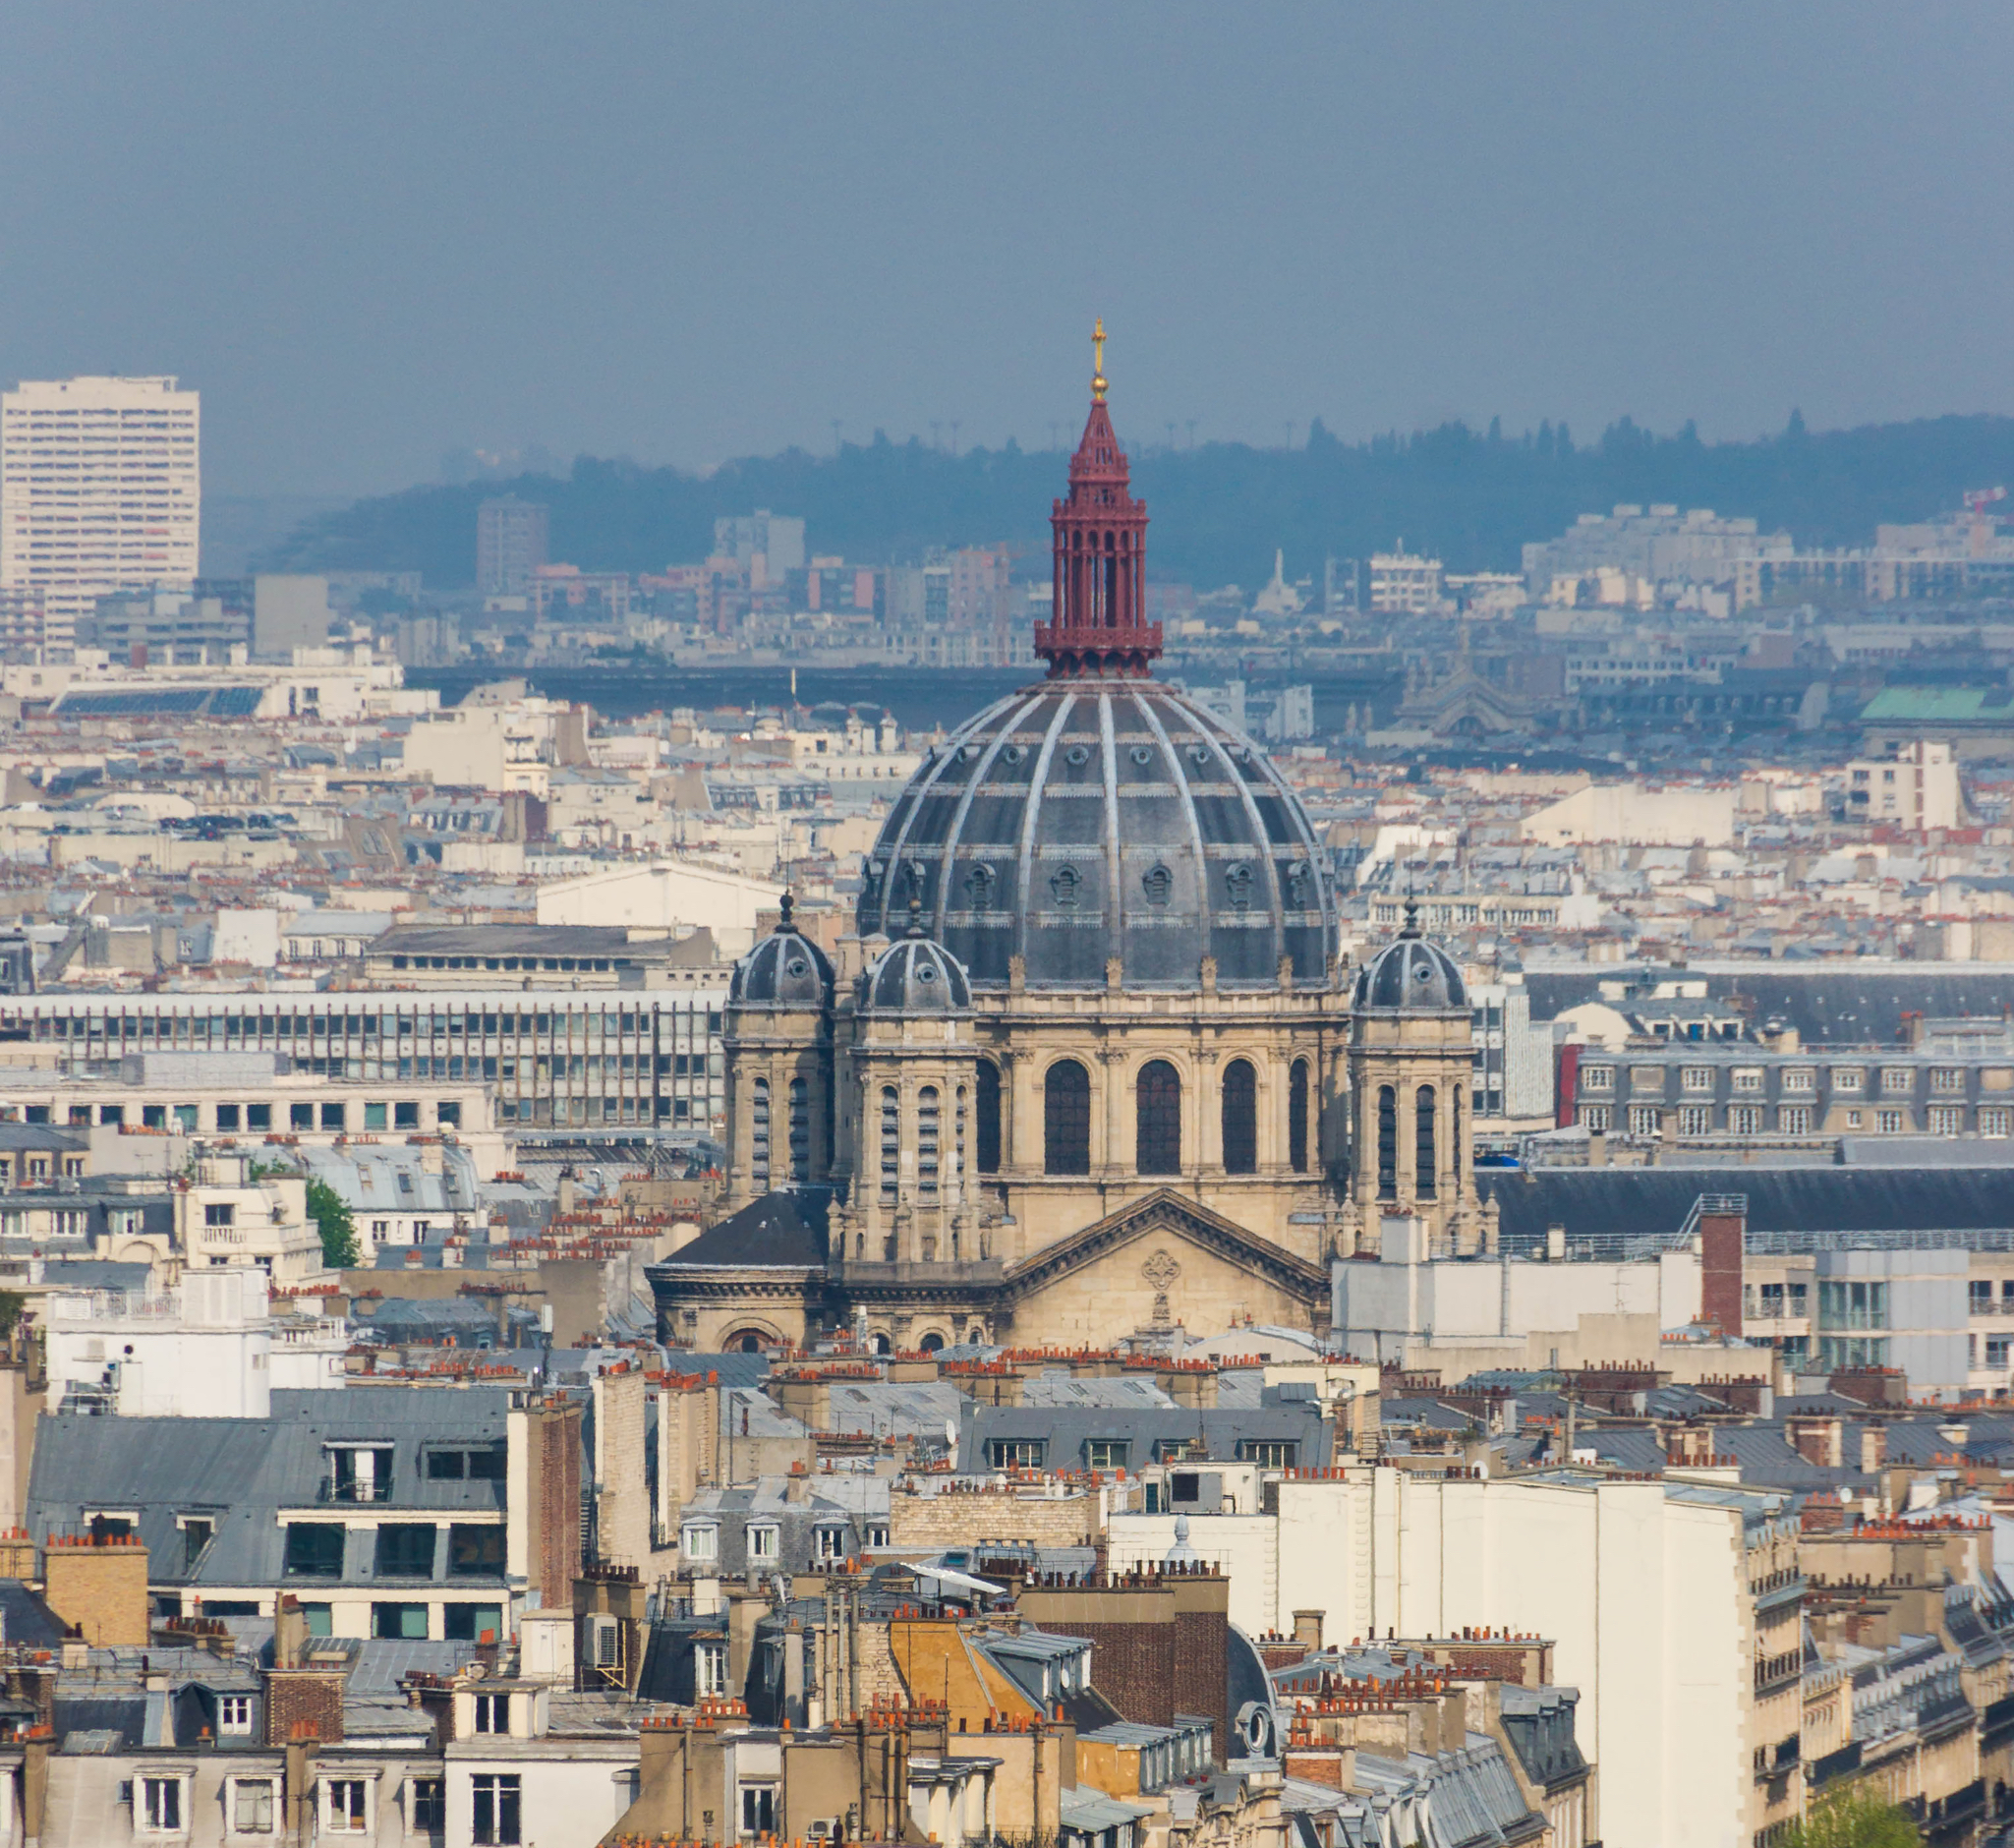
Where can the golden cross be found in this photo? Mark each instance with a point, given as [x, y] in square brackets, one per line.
[1098, 359]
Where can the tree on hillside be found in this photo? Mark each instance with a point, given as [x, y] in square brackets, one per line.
[339, 1251]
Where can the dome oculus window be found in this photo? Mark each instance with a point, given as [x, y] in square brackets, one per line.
[1142, 755]
[1078, 756]
[1012, 754]
[798, 966]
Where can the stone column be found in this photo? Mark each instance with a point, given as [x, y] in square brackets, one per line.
[1206, 1150]
[1111, 1146]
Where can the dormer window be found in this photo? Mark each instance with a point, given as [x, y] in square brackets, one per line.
[359, 1473]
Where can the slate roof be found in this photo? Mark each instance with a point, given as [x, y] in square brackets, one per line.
[786, 1230]
[1068, 1429]
[243, 1473]
[1055, 1387]
[25, 1621]
[1827, 1005]
[1592, 1202]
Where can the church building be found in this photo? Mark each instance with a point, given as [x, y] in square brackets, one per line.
[1092, 1066]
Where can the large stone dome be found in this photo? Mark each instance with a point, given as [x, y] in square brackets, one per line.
[1096, 817]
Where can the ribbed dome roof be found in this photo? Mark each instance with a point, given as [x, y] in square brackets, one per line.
[1085, 819]
[784, 970]
[1410, 976]
[916, 976]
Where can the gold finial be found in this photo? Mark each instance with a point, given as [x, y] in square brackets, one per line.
[1098, 359]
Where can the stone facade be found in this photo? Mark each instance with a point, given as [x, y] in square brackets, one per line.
[974, 1518]
[100, 1587]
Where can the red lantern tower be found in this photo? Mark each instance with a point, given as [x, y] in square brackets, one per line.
[1099, 609]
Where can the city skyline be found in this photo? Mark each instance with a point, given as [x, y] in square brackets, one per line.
[1547, 214]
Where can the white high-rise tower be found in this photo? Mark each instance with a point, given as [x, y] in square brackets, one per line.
[100, 491]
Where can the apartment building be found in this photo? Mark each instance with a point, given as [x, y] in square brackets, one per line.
[100, 491]
[396, 1512]
[512, 537]
[1403, 584]
[1694, 1091]
[1914, 787]
[415, 1061]
[1673, 1606]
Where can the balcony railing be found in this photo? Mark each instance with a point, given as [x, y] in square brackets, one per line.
[375, 1490]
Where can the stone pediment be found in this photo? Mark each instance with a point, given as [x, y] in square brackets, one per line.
[1153, 1220]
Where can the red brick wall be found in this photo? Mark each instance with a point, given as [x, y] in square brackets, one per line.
[1203, 1638]
[555, 1513]
[1720, 1269]
[297, 1696]
[1132, 1665]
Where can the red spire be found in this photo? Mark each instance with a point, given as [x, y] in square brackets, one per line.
[1098, 611]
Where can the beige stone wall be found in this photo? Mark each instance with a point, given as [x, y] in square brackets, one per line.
[622, 1500]
[971, 1518]
[102, 1591]
[1113, 1035]
[1158, 1277]
[1411, 1054]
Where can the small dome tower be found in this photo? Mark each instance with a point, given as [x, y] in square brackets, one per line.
[907, 1107]
[1411, 1061]
[777, 1038]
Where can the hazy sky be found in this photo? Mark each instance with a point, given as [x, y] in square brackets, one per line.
[373, 230]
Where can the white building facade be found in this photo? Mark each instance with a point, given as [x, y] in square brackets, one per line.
[100, 491]
[1643, 1586]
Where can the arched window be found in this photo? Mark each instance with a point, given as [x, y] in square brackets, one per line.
[1423, 1145]
[1388, 1143]
[928, 1130]
[1066, 1119]
[881, 1345]
[931, 1343]
[800, 1130]
[959, 1103]
[1240, 1118]
[1296, 1116]
[891, 1142]
[987, 1128]
[759, 1136]
[1157, 1102]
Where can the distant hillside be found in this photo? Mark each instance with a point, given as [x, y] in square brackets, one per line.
[1218, 511]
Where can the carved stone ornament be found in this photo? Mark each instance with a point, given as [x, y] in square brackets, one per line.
[1160, 1271]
